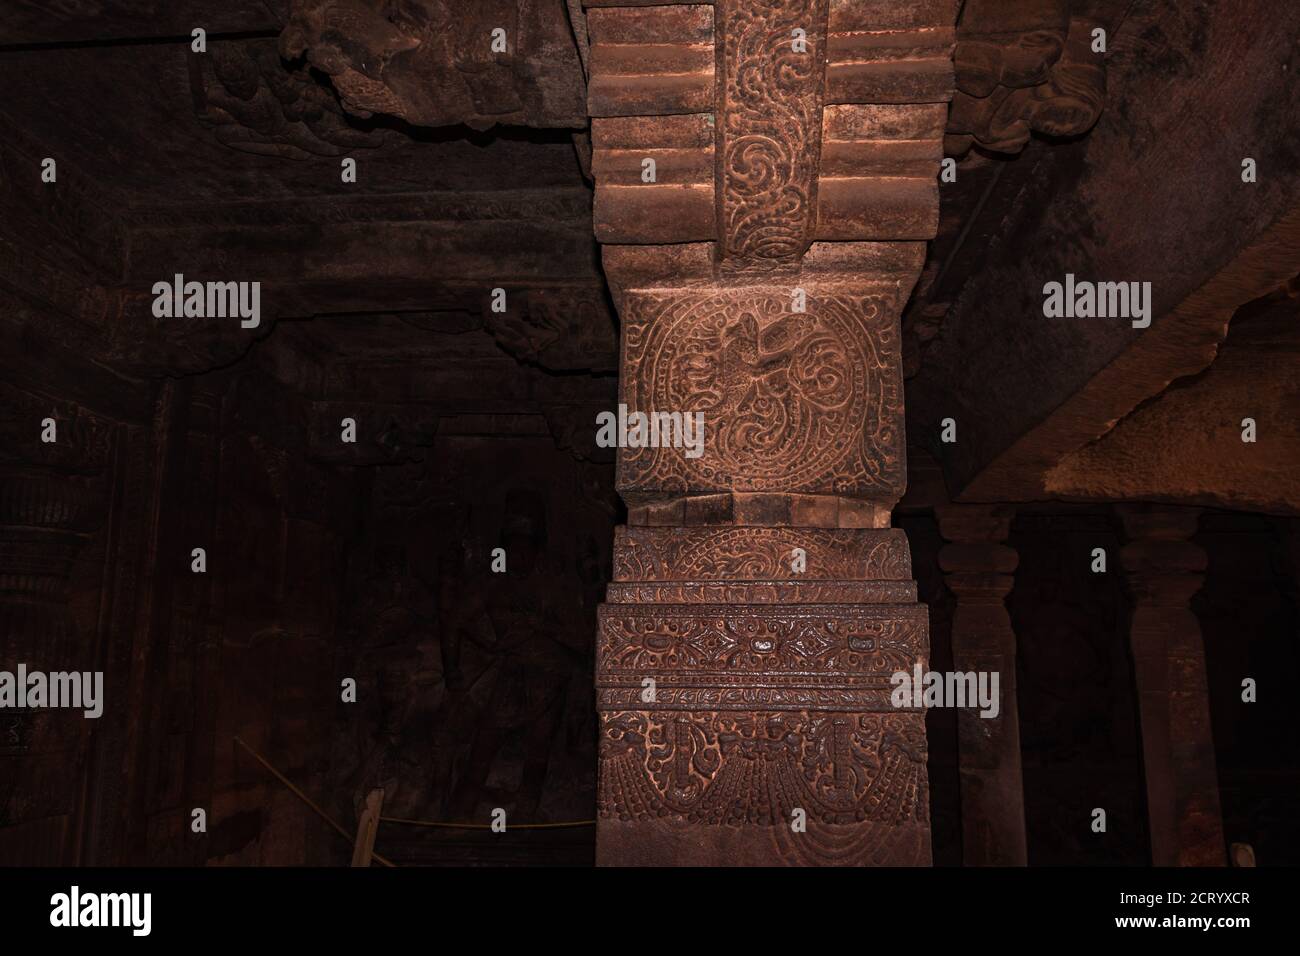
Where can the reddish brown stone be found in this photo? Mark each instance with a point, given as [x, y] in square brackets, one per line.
[770, 626]
[433, 64]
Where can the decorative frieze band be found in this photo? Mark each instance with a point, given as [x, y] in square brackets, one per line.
[751, 646]
[759, 767]
[644, 554]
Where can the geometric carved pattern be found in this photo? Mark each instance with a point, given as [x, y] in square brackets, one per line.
[763, 592]
[737, 657]
[704, 644]
[796, 402]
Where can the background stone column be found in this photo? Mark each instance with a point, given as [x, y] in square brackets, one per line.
[979, 570]
[51, 499]
[1165, 568]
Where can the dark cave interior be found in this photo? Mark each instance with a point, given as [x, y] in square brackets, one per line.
[371, 558]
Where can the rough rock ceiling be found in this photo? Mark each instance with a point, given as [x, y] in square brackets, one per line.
[1154, 192]
[1199, 418]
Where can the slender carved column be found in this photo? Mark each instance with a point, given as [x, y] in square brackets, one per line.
[50, 500]
[765, 180]
[1289, 534]
[1165, 569]
[979, 569]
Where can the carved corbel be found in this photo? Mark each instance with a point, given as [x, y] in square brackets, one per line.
[1021, 69]
[256, 104]
[442, 62]
[138, 342]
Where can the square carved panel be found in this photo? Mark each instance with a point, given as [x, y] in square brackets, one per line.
[800, 402]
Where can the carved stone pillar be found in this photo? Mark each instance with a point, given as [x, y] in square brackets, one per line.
[1165, 569]
[50, 500]
[979, 570]
[765, 181]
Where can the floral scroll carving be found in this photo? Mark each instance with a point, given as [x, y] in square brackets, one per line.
[771, 127]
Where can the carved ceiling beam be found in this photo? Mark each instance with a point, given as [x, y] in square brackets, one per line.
[408, 253]
[388, 434]
[765, 180]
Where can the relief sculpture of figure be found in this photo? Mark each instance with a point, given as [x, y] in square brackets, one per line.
[397, 614]
[532, 649]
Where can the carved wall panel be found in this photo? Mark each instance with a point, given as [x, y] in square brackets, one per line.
[703, 787]
[481, 687]
[801, 402]
[760, 716]
[753, 565]
[708, 642]
[735, 767]
[560, 328]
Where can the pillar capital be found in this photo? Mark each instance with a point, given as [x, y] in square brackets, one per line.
[1163, 566]
[973, 524]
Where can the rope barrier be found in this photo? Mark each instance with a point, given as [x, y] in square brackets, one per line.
[488, 826]
[404, 821]
[307, 800]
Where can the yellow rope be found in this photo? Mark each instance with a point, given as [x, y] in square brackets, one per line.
[307, 800]
[402, 820]
[488, 826]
